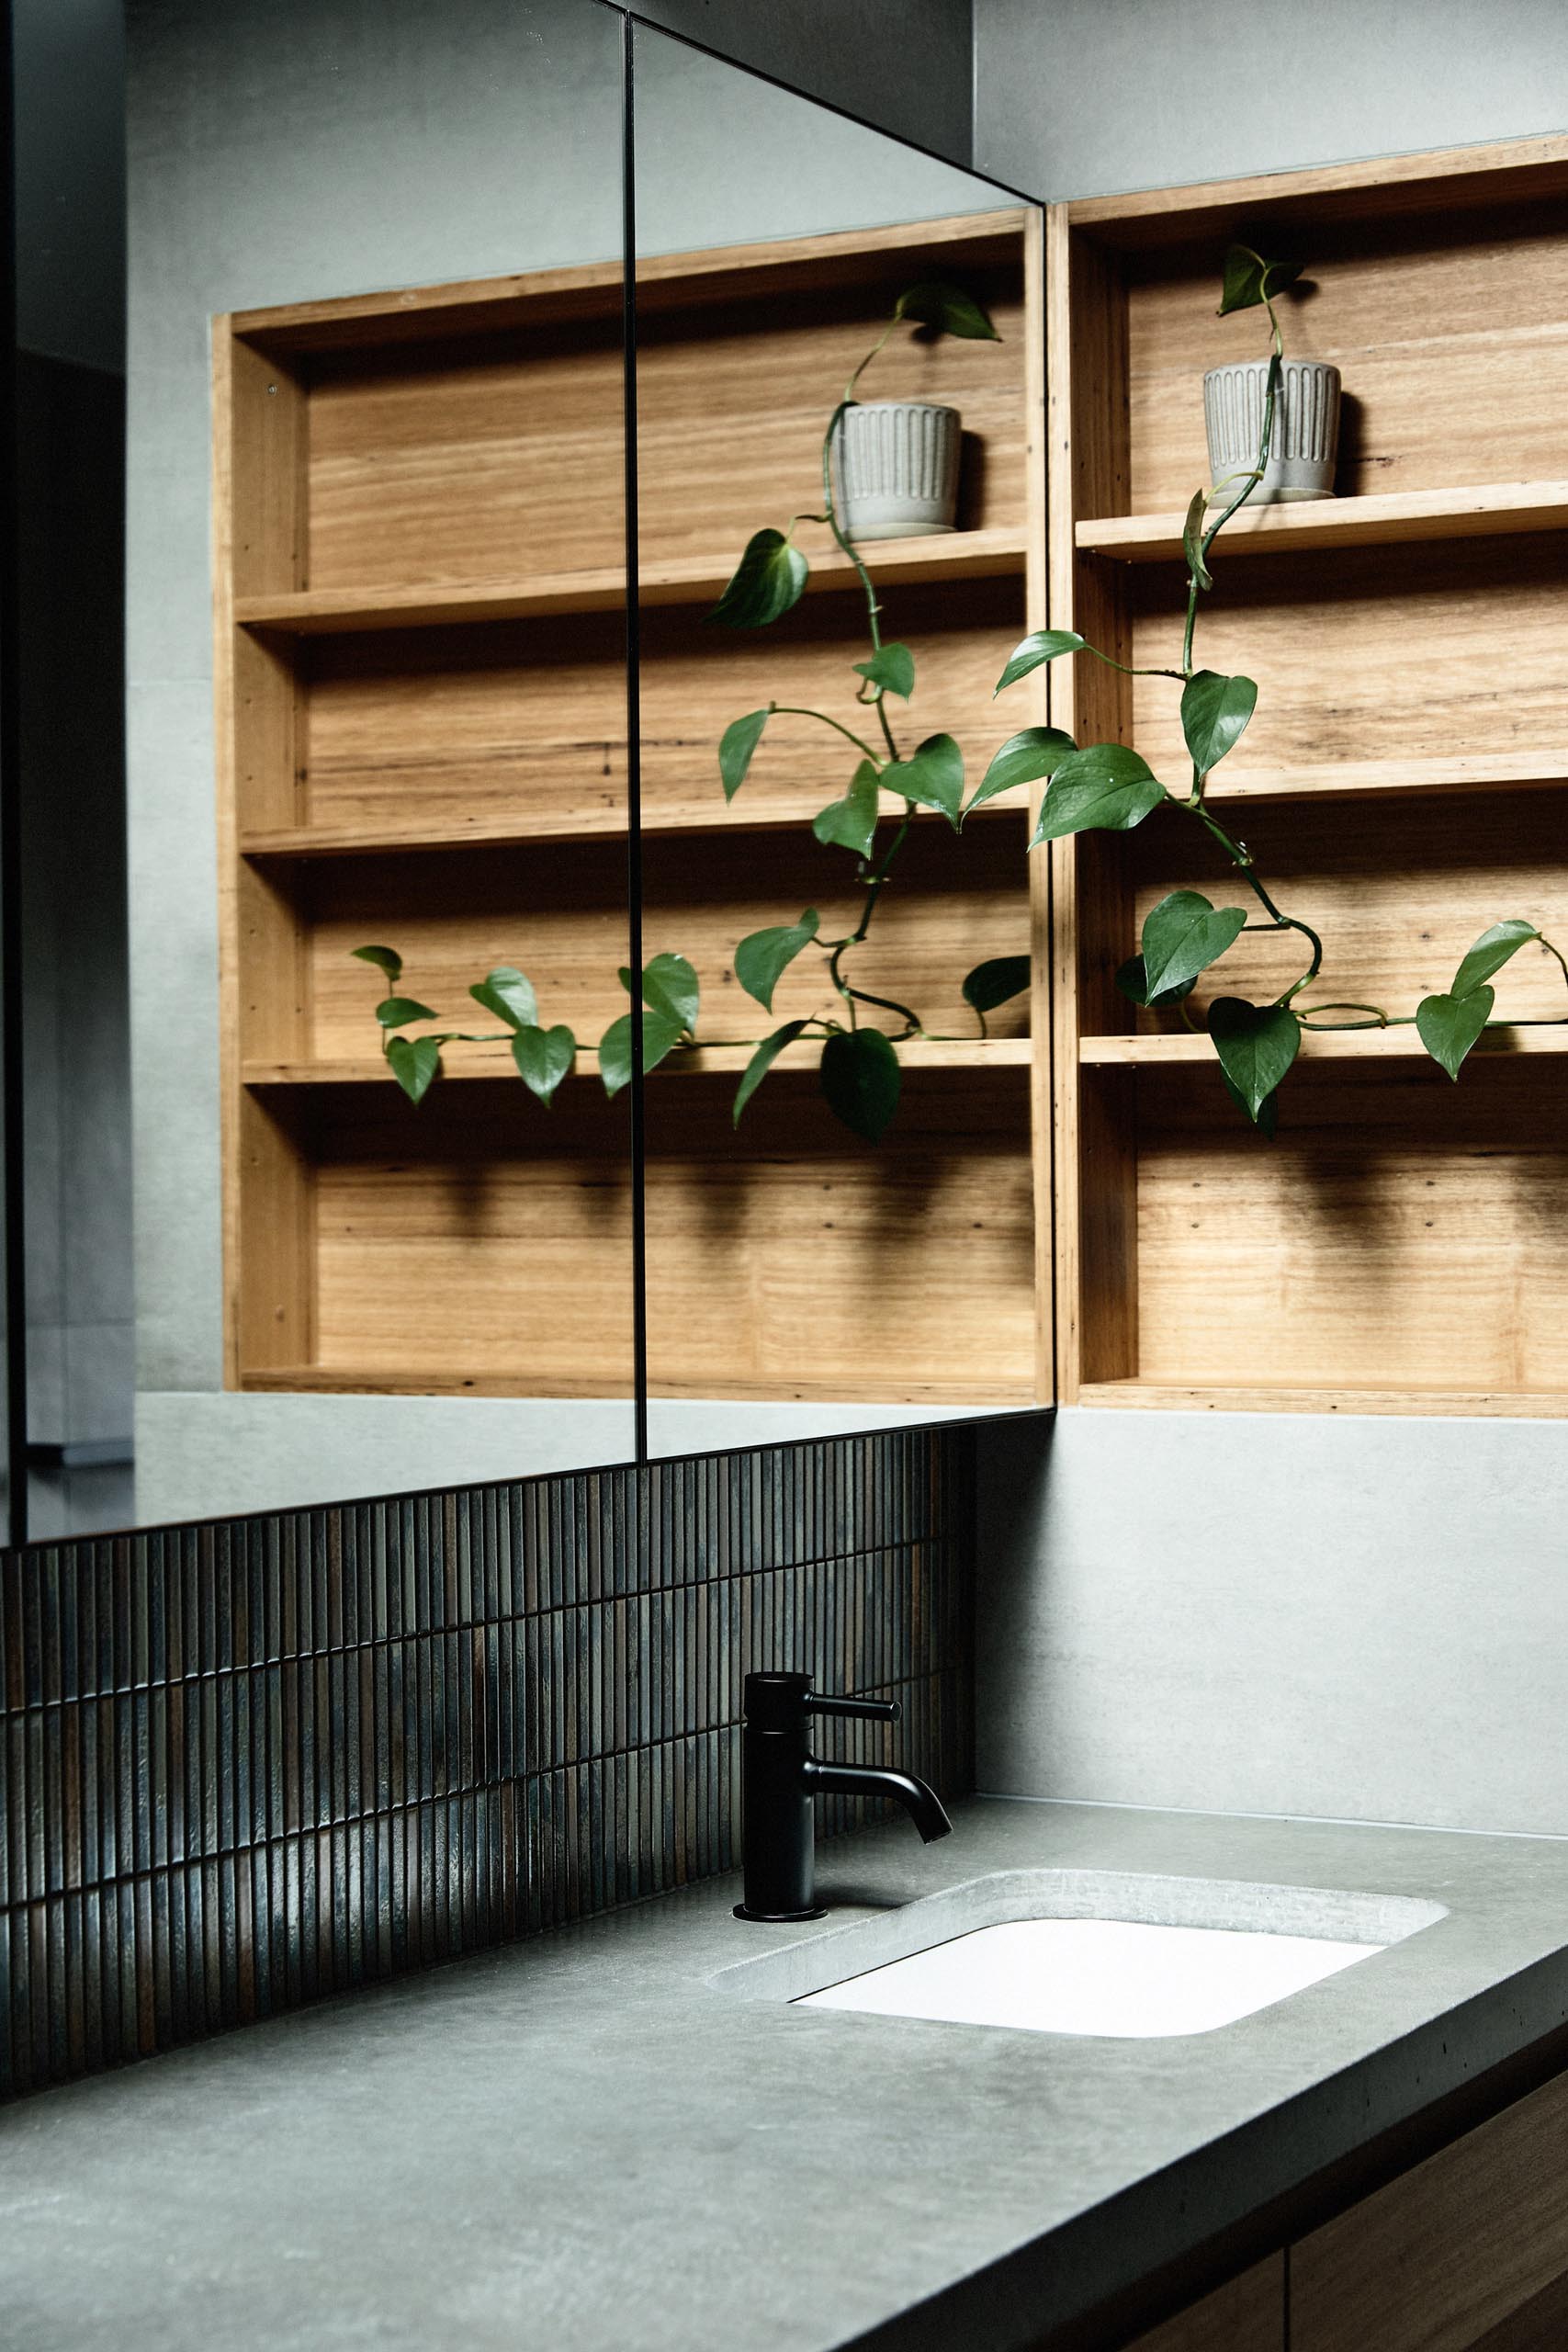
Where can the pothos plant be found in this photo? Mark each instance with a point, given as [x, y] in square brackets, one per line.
[1092, 787]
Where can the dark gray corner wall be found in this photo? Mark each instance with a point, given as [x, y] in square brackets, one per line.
[1362, 1617]
[1087, 97]
[904, 66]
[247, 1763]
[70, 167]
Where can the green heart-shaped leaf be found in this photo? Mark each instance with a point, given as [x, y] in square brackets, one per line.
[393, 1010]
[762, 1063]
[1448, 1026]
[1256, 1044]
[735, 746]
[860, 1080]
[543, 1058]
[1249, 280]
[892, 668]
[850, 822]
[670, 987]
[661, 1035]
[770, 576]
[1192, 539]
[414, 1062]
[386, 958]
[1490, 953]
[948, 309]
[509, 994]
[1040, 645]
[1183, 935]
[1132, 981]
[763, 956]
[996, 982]
[1215, 712]
[932, 775]
[1268, 1119]
[1024, 758]
[1104, 788]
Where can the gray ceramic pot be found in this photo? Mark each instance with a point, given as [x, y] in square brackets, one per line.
[1304, 442]
[896, 463]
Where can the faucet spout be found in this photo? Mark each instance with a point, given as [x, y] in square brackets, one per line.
[922, 1804]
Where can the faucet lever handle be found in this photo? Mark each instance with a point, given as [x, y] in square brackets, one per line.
[873, 1711]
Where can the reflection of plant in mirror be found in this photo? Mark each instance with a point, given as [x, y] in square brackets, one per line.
[859, 1069]
[1107, 787]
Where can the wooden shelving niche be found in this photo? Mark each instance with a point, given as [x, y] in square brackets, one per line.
[1401, 1246]
[420, 620]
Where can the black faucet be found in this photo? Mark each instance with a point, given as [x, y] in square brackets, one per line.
[779, 1776]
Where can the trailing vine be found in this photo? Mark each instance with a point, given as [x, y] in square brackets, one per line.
[1093, 787]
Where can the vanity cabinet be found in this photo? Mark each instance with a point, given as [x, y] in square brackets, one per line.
[1246, 2315]
[1468, 2252]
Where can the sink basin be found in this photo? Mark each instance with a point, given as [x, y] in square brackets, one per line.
[1080, 1952]
[1119, 1977]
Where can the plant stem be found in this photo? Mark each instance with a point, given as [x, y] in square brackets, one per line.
[798, 710]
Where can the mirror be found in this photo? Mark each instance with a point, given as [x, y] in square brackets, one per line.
[841, 1173]
[373, 633]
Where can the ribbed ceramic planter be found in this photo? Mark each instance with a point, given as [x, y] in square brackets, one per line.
[1303, 446]
[897, 468]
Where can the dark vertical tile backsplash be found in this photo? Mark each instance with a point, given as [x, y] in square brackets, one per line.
[248, 1762]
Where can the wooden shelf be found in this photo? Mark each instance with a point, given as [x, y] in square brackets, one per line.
[1324, 1044]
[697, 579]
[1398, 1247]
[1348, 779]
[1170, 1397]
[343, 1380]
[703, 1061]
[418, 651]
[1383, 519]
[755, 814]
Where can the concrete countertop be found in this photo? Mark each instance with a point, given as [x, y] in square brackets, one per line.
[579, 2144]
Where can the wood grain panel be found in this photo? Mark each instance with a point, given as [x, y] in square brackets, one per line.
[467, 727]
[1442, 2258]
[1247, 2315]
[1399, 890]
[1400, 1232]
[1473, 303]
[465, 460]
[791, 1259]
[1366, 655]
[764, 382]
[695, 679]
[477, 1236]
[558, 910]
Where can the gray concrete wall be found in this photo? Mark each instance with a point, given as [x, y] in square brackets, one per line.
[1089, 97]
[316, 148]
[1363, 1617]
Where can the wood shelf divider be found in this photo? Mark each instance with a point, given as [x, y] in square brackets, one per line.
[1320, 1045]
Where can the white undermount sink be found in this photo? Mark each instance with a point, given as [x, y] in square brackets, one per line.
[1121, 1977]
[1119, 1955]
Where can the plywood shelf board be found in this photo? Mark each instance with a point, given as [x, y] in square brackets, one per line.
[1170, 1397]
[593, 290]
[1394, 519]
[978, 554]
[703, 1061]
[1324, 1044]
